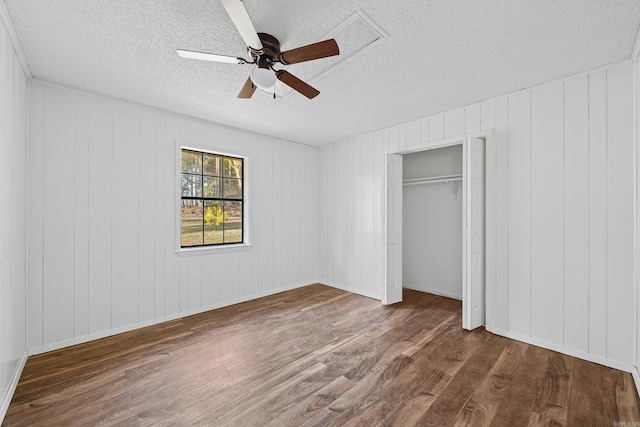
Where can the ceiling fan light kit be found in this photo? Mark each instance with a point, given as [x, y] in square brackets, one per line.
[264, 78]
[265, 53]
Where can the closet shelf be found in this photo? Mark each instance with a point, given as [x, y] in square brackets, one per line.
[433, 180]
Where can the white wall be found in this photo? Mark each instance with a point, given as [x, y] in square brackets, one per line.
[432, 223]
[101, 251]
[564, 209]
[13, 187]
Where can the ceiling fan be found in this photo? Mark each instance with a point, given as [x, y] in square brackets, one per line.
[265, 53]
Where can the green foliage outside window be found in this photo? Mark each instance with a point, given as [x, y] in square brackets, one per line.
[214, 215]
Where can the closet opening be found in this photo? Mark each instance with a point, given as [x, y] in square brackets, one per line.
[435, 224]
[431, 221]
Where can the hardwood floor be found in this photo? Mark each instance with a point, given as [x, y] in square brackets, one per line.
[319, 356]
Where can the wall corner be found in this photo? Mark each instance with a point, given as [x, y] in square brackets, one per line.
[15, 42]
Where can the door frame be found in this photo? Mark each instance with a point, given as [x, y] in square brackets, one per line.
[490, 212]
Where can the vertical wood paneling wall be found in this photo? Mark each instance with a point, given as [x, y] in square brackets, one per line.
[102, 218]
[13, 201]
[563, 203]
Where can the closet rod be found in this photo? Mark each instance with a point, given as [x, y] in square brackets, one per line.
[432, 180]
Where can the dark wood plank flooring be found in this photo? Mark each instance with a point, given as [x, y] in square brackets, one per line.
[319, 356]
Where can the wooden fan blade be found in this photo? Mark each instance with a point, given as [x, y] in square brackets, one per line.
[247, 90]
[240, 17]
[310, 52]
[296, 84]
[202, 56]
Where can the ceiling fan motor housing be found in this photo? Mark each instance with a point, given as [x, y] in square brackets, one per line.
[270, 48]
[262, 76]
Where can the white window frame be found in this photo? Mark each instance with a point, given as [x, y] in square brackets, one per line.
[246, 201]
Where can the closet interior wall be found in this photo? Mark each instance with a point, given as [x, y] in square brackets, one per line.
[432, 221]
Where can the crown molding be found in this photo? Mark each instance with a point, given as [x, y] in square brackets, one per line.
[13, 36]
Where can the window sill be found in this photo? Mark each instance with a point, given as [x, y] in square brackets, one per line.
[207, 250]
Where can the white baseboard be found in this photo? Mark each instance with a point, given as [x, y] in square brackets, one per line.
[350, 289]
[6, 400]
[98, 335]
[626, 367]
[433, 291]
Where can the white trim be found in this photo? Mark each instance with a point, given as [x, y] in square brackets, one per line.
[246, 200]
[636, 378]
[359, 14]
[351, 290]
[17, 48]
[636, 210]
[355, 16]
[15, 378]
[626, 367]
[447, 142]
[27, 247]
[490, 233]
[208, 250]
[635, 53]
[87, 338]
[434, 292]
[428, 145]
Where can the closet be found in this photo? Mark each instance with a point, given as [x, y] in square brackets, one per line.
[432, 221]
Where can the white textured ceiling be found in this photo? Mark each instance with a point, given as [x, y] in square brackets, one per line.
[440, 54]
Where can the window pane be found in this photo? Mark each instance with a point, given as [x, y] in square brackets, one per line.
[214, 219]
[233, 223]
[191, 185]
[232, 168]
[232, 188]
[211, 187]
[212, 165]
[191, 162]
[191, 223]
[208, 181]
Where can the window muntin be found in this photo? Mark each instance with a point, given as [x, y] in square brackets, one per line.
[212, 198]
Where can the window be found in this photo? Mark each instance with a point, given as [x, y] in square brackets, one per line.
[212, 199]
